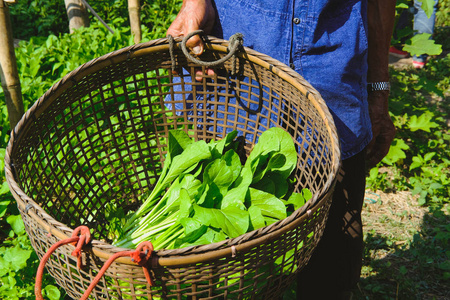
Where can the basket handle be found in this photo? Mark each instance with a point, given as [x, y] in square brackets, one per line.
[140, 256]
[80, 237]
[235, 44]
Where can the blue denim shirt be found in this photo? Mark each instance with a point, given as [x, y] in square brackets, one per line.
[324, 41]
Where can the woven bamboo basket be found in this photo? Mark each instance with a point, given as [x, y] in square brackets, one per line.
[98, 136]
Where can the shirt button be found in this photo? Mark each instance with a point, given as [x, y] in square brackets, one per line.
[296, 20]
[292, 66]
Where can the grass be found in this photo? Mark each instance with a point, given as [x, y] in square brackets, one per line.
[405, 256]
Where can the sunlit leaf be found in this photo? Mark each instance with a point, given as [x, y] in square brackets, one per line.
[423, 122]
[396, 152]
[17, 257]
[4, 188]
[4, 207]
[16, 223]
[422, 44]
[52, 292]
[427, 6]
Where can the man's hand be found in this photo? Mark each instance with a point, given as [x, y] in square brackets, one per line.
[382, 127]
[194, 15]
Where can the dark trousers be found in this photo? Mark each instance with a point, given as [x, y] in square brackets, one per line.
[335, 265]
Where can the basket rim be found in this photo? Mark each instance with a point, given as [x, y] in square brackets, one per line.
[62, 231]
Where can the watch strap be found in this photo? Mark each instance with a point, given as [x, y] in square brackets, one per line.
[378, 86]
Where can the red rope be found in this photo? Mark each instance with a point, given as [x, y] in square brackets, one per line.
[140, 256]
[136, 255]
[40, 270]
[84, 238]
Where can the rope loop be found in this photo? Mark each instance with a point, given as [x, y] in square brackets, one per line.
[84, 235]
[28, 207]
[80, 236]
[235, 44]
[140, 256]
[142, 259]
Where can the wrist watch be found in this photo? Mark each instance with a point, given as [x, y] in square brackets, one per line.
[378, 86]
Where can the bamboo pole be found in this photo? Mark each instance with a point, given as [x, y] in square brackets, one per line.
[77, 14]
[135, 20]
[97, 16]
[8, 68]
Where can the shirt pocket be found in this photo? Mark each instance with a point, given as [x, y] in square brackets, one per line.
[341, 29]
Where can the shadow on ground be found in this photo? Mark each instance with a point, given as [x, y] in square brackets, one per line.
[407, 254]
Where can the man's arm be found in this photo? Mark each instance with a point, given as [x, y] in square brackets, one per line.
[381, 19]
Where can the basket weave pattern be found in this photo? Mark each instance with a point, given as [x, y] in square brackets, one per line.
[97, 138]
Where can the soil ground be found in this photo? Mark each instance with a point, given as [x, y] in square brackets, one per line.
[397, 247]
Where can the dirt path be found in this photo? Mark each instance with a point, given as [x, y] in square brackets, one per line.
[400, 63]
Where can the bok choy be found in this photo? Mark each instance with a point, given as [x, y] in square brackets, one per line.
[205, 194]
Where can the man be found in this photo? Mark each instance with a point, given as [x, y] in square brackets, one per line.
[337, 46]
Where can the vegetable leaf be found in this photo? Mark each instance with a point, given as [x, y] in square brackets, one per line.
[221, 145]
[193, 154]
[232, 220]
[223, 172]
[178, 140]
[299, 199]
[256, 217]
[270, 205]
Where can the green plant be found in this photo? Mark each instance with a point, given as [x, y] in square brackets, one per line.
[43, 61]
[443, 13]
[38, 18]
[210, 195]
[404, 260]
[413, 265]
[419, 155]
[18, 261]
[47, 54]
[413, 93]
[158, 15]
[43, 18]
[415, 44]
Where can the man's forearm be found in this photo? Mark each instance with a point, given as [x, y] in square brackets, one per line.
[381, 19]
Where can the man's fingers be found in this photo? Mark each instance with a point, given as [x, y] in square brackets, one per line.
[195, 44]
[199, 74]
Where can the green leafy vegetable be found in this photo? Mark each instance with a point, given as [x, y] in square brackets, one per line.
[205, 194]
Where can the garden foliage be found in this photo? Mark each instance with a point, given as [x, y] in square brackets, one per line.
[419, 159]
[44, 57]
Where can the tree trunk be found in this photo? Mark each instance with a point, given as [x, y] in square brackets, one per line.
[135, 20]
[8, 69]
[77, 14]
